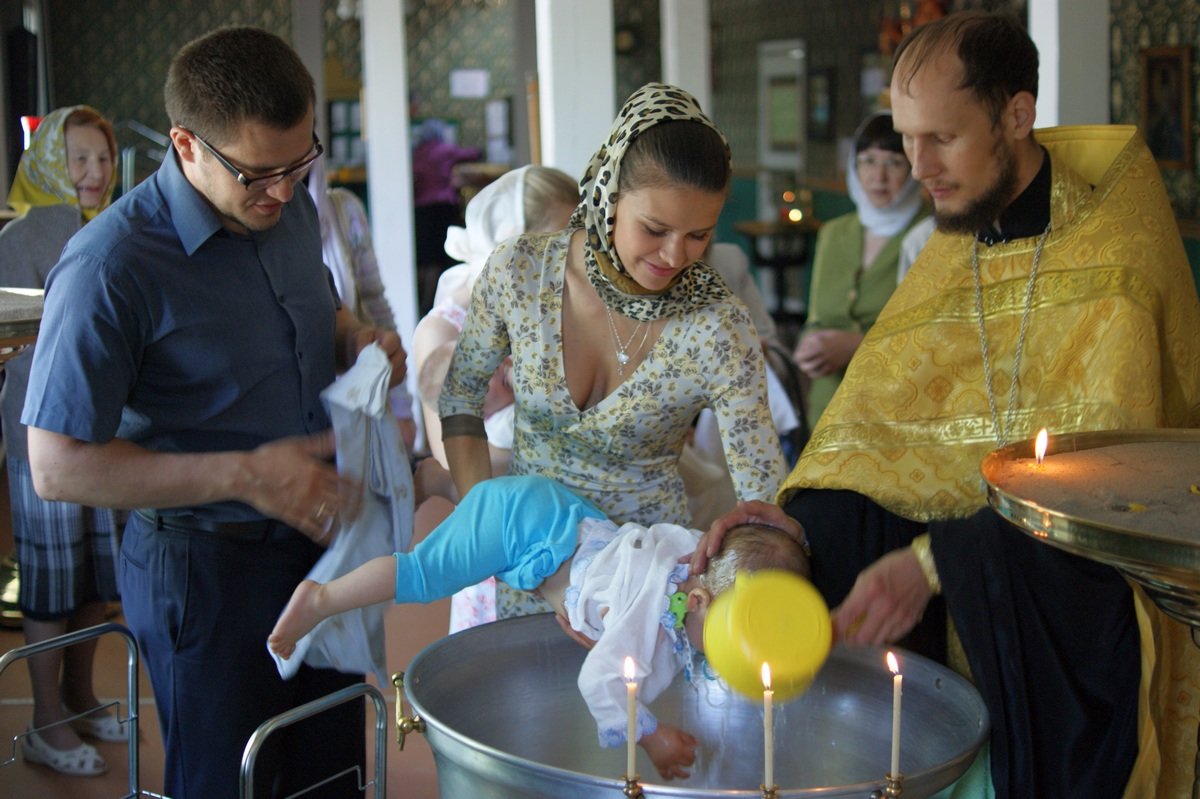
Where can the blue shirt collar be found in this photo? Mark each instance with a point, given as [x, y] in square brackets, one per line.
[194, 219]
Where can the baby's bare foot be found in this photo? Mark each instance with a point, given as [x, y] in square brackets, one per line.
[297, 619]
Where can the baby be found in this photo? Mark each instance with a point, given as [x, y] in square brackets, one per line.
[622, 587]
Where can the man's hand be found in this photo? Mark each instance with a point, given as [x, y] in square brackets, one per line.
[292, 480]
[750, 512]
[670, 749]
[389, 342]
[888, 599]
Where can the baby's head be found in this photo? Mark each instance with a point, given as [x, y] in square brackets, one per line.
[746, 548]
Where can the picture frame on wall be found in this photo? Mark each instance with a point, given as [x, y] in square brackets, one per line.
[1166, 105]
[820, 104]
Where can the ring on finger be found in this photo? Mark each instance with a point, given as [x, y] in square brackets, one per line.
[321, 512]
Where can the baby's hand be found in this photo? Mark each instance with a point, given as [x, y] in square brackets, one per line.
[670, 749]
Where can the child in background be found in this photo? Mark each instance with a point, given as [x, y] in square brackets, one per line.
[615, 585]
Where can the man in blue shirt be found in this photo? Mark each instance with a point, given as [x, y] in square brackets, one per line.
[188, 332]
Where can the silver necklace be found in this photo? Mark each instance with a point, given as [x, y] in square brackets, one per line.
[622, 350]
[1002, 434]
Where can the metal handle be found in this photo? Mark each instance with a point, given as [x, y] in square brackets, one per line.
[404, 724]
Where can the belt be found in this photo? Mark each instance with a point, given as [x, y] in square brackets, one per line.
[259, 530]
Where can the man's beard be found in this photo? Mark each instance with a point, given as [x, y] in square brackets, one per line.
[981, 212]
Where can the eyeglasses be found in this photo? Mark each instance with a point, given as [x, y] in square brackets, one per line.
[893, 163]
[295, 173]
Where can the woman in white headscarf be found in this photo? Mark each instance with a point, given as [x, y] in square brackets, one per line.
[854, 267]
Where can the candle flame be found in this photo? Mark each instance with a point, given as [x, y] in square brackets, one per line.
[892, 664]
[1039, 447]
[766, 676]
[630, 672]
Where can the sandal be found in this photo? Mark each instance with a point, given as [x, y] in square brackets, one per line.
[98, 724]
[82, 761]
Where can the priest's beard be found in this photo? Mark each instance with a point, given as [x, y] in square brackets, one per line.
[985, 209]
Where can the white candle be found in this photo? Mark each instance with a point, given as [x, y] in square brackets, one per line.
[768, 729]
[897, 690]
[631, 730]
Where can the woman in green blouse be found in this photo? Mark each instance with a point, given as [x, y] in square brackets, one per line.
[854, 268]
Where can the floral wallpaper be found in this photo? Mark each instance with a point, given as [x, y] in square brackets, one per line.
[114, 55]
[1139, 24]
[638, 22]
[837, 36]
[116, 60]
[455, 35]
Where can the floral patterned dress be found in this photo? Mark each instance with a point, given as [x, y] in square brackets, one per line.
[623, 452]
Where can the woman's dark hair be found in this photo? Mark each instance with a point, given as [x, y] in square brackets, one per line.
[235, 74]
[877, 131]
[680, 152]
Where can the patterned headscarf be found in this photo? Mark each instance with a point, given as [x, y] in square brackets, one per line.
[694, 287]
[43, 177]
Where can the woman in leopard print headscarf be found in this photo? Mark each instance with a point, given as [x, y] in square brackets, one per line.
[619, 334]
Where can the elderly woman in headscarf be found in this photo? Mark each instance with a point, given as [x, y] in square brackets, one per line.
[854, 267]
[64, 179]
[66, 552]
[619, 334]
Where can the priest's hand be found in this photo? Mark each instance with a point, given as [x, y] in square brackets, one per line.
[886, 602]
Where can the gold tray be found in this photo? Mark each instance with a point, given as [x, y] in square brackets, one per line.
[1166, 563]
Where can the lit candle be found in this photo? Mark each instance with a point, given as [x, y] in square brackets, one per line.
[631, 730]
[768, 729]
[1039, 446]
[897, 690]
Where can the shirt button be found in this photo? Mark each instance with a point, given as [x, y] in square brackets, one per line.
[282, 298]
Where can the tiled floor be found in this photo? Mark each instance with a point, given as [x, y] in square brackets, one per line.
[410, 774]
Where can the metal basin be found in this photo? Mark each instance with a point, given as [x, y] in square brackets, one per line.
[1165, 562]
[504, 718]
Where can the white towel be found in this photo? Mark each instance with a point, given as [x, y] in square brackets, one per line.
[370, 452]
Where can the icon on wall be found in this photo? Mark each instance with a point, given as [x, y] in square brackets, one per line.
[1166, 105]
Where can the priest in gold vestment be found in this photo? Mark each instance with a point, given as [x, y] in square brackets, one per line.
[1055, 293]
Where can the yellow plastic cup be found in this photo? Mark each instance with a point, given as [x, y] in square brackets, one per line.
[769, 616]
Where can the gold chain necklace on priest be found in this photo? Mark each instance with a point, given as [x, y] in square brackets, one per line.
[1002, 434]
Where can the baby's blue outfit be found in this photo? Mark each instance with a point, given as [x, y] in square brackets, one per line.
[520, 528]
